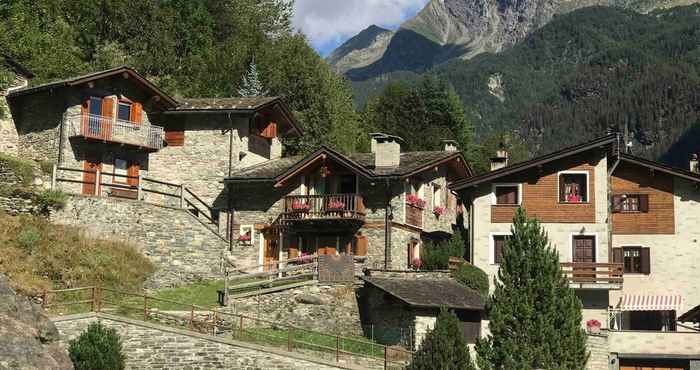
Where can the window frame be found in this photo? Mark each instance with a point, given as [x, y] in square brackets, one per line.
[120, 179]
[252, 233]
[638, 248]
[492, 246]
[494, 198]
[641, 260]
[124, 103]
[572, 245]
[436, 188]
[574, 172]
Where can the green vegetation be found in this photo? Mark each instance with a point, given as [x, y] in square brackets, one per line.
[21, 168]
[444, 347]
[435, 256]
[54, 199]
[37, 255]
[98, 347]
[472, 277]
[586, 71]
[535, 318]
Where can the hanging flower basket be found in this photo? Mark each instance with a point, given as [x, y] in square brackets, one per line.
[593, 326]
[415, 201]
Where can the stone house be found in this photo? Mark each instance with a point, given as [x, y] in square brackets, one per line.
[626, 232]
[19, 79]
[383, 205]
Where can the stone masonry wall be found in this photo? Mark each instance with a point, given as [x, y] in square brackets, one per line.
[181, 247]
[9, 140]
[149, 346]
[598, 347]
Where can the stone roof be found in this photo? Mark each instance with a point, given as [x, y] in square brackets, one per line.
[429, 293]
[409, 163]
[247, 103]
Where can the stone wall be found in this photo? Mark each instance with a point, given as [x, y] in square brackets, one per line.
[149, 346]
[597, 345]
[182, 248]
[9, 140]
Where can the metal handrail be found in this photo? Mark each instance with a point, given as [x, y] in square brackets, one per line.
[116, 130]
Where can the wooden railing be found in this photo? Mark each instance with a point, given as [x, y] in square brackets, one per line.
[587, 272]
[222, 324]
[329, 206]
[115, 130]
[414, 215]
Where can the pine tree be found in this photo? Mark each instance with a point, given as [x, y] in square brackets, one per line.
[535, 318]
[444, 347]
[251, 85]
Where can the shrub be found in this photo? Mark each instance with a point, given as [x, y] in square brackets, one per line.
[436, 256]
[47, 199]
[472, 277]
[98, 347]
[22, 169]
[444, 347]
[46, 167]
[28, 238]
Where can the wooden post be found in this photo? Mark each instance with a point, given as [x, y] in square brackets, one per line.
[289, 338]
[216, 319]
[182, 196]
[192, 318]
[138, 187]
[92, 304]
[44, 299]
[53, 176]
[337, 348]
[97, 182]
[386, 357]
[225, 282]
[99, 299]
[145, 308]
[240, 328]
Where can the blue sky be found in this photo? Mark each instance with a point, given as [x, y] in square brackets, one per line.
[328, 23]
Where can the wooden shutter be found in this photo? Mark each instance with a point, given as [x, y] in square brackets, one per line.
[498, 242]
[562, 189]
[134, 169]
[108, 107]
[646, 261]
[269, 131]
[175, 138]
[362, 243]
[618, 255]
[616, 203]
[643, 202]
[136, 113]
[108, 112]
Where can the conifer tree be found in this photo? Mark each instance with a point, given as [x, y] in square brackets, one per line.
[444, 347]
[535, 318]
[251, 85]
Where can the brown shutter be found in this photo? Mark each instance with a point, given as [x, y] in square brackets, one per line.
[646, 262]
[361, 245]
[616, 203]
[644, 202]
[133, 171]
[136, 113]
[106, 124]
[175, 138]
[108, 107]
[618, 255]
[562, 188]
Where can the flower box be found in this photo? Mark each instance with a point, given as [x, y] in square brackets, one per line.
[336, 205]
[593, 326]
[415, 201]
[300, 206]
[438, 211]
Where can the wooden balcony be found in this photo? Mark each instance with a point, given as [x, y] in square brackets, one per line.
[108, 129]
[584, 275]
[326, 209]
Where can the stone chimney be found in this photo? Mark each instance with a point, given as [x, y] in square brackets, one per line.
[694, 163]
[386, 149]
[449, 145]
[500, 160]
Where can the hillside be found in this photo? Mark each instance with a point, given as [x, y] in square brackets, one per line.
[361, 50]
[450, 29]
[587, 71]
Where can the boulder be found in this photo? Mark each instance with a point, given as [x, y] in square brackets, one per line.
[28, 339]
[309, 299]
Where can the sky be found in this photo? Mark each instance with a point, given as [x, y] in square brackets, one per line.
[329, 23]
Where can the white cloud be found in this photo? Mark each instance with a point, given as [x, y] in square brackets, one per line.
[330, 21]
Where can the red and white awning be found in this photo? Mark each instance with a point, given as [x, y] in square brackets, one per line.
[649, 302]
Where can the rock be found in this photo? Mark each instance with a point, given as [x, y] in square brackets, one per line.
[38, 181]
[28, 339]
[309, 299]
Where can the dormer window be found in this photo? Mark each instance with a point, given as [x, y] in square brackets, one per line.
[573, 187]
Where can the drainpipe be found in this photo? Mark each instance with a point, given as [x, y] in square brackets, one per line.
[229, 214]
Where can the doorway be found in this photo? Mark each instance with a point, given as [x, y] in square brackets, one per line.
[584, 253]
[272, 254]
[91, 165]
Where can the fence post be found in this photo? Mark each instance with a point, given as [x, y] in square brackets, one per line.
[289, 338]
[53, 176]
[138, 187]
[44, 299]
[145, 308]
[192, 318]
[97, 182]
[99, 298]
[337, 348]
[92, 304]
[386, 357]
[240, 328]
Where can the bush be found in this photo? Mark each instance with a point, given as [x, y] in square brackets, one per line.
[443, 347]
[436, 256]
[22, 169]
[98, 347]
[47, 199]
[28, 238]
[472, 277]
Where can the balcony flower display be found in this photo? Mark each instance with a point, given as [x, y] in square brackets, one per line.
[336, 205]
[300, 206]
[438, 211]
[244, 239]
[417, 263]
[593, 326]
[414, 200]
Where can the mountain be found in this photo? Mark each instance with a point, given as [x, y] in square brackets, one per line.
[587, 72]
[448, 29]
[361, 50]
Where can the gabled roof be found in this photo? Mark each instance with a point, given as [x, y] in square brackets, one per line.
[130, 72]
[656, 166]
[410, 163]
[541, 160]
[429, 293]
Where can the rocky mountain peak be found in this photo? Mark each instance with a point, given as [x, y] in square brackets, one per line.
[362, 49]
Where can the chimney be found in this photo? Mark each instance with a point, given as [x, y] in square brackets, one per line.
[694, 163]
[386, 149]
[501, 158]
[449, 145]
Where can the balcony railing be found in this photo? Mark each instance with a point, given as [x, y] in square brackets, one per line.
[115, 130]
[330, 206]
[593, 275]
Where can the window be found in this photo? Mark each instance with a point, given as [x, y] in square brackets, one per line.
[95, 106]
[630, 203]
[246, 235]
[124, 112]
[506, 194]
[121, 169]
[635, 259]
[573, 187]
[498, 243]
[652, 320]
[437, 195]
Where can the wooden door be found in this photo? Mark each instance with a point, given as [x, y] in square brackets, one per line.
[272, 253]
[91, 165]
[584, 252]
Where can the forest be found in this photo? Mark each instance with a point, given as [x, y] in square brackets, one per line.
[582, 75]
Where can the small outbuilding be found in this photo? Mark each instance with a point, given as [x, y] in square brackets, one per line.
[401, 311]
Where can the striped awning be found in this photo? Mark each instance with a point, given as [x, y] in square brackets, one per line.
[649, 302]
